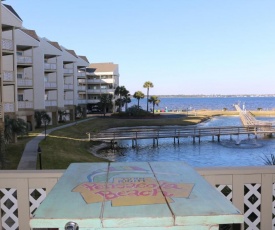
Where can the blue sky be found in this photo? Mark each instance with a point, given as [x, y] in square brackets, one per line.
[182, 46]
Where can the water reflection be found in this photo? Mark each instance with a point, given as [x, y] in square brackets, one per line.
[207, 153]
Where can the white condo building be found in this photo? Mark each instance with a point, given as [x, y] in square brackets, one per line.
[38, 74]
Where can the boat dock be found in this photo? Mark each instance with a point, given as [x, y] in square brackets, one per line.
[194, 132]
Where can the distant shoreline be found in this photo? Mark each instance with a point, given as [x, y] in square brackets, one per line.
[216, 96]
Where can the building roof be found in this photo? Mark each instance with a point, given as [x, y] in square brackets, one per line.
[103, 67]
[13, 11]
[72, 52]
[55, 44]
[84, 58]
[31, 33]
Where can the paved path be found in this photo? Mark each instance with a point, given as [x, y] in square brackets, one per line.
[29, 156]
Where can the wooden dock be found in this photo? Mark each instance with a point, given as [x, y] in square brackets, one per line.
[178, 132]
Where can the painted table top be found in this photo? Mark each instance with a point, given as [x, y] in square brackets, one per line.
[134, 195]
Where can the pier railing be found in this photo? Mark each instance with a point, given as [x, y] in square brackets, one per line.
[250, 189]
[180, 132]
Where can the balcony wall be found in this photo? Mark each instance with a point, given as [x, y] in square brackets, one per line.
[49, 66]
[250, 189]
[25, 104]
[9, 107]
[50, 103]
[24, 82]
[8, 76]
[7, 44]
[24, 60]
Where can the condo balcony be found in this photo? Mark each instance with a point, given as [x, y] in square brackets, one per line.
[250, 189]
[9, 107]
[50, 85]
[68, 102]
[24, 60]
[100, 81]
[7, 45]
[100, 91]
[50, 103]
[68, 71]
[93, 101]
[68, 86]
[25, 83]
[49, 67]
[82, 101]
[8, 76]
[81, 88]
[25, 104]
[81, 74]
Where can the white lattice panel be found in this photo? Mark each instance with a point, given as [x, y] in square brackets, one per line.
[252, 199]
[226, 190]
[273, 208]
[9, 208]
[36, 197]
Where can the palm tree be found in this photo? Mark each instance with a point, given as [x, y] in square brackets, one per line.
[46, 119]
[148, 85]
[127, 100]
[120, 91]
[13, 127]
[155, 100]
[105, 101]
[138, 95]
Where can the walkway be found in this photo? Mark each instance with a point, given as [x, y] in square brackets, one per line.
[29, 157]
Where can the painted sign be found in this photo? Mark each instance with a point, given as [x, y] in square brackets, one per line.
[126, 191]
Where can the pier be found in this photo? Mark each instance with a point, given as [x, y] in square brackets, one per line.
[196, 133]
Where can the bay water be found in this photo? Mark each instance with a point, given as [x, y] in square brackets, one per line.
[251, 151]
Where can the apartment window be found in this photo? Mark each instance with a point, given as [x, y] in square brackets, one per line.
[19, 53]
[20, 97]
[20, 75]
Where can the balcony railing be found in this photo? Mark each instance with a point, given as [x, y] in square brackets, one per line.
[7, 44]
[9, 107]
[81, 74]
[24, 60]
[68, 71]
[24, 82]
[50, 103]
[8, 76]
[69, 86]
[100, 81]
[250, 189]
[50, 85]
[81, 81]
[68, 102]
[81, 88]
[98, 91]
[49, 66]
[25, 105]
[93, 101]
[82, 101]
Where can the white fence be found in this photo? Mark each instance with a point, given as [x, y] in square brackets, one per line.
[251, 189]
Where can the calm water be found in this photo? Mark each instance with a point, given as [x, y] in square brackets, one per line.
[251, 103]
[207, 153]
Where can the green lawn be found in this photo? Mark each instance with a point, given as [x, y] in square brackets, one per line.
[65, 146]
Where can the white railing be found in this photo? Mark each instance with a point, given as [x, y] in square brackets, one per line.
[81, 74]
[83, 81]
[25, 105]
[69, 86]
[68, 102]
[250, 189]
[100, 81]
[82, 101]
[9, 107]
[24, 60]
[93, 101]
[50, 85]
[8, 76]
[68, 71]
[81, 88]
[49, 66]
[50, 103]
[100, 91]
[7, 44]
[24, 82]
